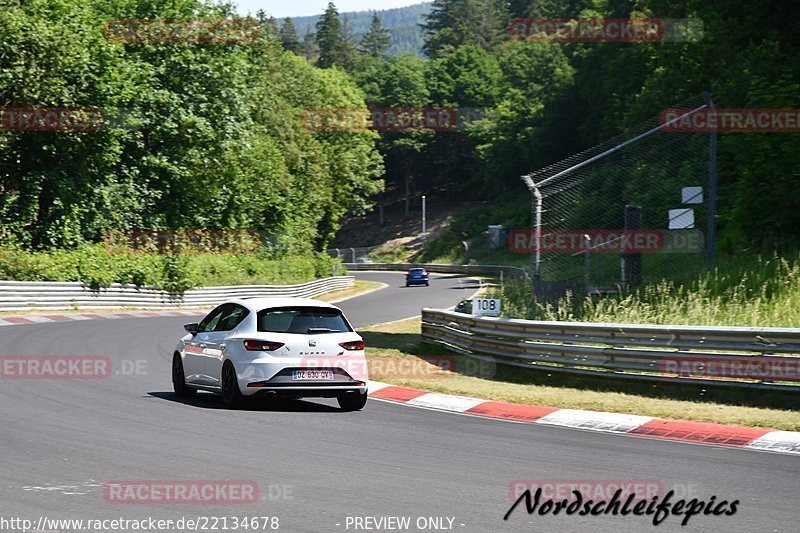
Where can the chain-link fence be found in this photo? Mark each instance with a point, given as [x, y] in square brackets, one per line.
[633, 209]
[489, 242]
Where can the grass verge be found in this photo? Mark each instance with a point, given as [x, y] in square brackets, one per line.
[397, 355]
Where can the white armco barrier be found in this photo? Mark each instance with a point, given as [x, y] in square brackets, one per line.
[28, 295]
[756, 358]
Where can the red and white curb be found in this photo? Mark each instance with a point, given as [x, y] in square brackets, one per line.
[642, 426]
[69, 317]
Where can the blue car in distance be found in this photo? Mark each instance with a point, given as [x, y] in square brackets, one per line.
[417, 276]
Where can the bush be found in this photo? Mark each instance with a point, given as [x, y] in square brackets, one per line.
[94, 266]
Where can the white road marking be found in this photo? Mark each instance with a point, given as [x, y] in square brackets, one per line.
[39, 319]
[375, 386]
[784, 441]
[445, 402]
[594, 420]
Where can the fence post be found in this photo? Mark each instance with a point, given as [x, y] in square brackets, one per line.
[711, 245]
[588, 263]
[632, 262]
[536, 215]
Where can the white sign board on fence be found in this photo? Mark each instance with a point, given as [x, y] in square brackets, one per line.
[681, 219]
[692, 195]
[485, 307]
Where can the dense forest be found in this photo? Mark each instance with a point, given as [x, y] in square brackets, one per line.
[544, 101]
[198, 134]
[211, 134]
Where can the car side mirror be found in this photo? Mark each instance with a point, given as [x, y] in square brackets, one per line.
[191, 328]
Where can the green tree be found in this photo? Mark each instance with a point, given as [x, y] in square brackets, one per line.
[347, 53]
[455, 23]
[289, 38]
[401, 83]
[270, 26]
[375, 43]
[310, 49]
[198, 135]
[329, 38]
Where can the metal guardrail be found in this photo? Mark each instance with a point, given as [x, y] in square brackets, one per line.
[475, 270]
[26, 295]
[628, 351]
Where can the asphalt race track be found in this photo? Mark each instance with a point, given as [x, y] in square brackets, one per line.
[62, 440]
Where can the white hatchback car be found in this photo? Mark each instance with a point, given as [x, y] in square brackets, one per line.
[279, 347]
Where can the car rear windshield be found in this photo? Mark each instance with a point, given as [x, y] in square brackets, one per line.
[417, 270]
[302, 320]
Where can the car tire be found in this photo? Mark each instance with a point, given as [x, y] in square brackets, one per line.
[428, 284]
[408, 285]
[179, 378]
[232, 397]
[352, 401]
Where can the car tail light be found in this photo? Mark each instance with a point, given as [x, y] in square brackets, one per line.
[261, 346]
[352, 345]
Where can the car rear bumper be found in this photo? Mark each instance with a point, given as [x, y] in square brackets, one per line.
[283, 384]
[305, 390]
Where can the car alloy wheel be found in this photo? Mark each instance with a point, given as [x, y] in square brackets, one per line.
[231, 395]
[179, 378]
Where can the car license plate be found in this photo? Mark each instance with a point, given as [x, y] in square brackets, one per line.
[312, 375]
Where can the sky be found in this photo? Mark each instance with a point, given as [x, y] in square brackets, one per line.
[299, 8]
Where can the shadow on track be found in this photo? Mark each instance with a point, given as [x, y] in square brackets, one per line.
[212, 401]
